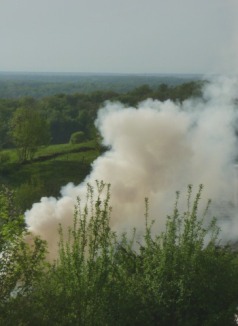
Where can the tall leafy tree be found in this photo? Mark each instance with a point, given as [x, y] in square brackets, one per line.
[29, 130]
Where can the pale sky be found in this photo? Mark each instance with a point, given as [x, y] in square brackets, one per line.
[119, 36]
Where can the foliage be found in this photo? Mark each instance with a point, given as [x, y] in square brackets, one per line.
[67, 113]
[4, 157]
[7, 107]
[40, 85]
[30, 192]
[20, 262]
[29, 130]
[77, 137]
[11, 220]
[192, 281]
[178, 277]
[21, 265]
[51, 167]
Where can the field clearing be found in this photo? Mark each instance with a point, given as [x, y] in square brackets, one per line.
[52, 167]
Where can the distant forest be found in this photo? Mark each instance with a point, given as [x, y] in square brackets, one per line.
[45, 139]
[16, 85]
[70, 103]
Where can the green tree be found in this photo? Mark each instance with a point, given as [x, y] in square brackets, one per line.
[29, 130]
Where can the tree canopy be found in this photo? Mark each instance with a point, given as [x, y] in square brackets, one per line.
[29, 130]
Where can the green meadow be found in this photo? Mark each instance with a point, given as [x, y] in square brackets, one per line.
[52, 167]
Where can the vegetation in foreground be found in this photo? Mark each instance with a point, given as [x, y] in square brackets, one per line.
[177, 277]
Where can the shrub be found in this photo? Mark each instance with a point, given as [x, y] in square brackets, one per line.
[77, 137]
[178, 277]
[4, 157]
[29, 192]
[21, 264]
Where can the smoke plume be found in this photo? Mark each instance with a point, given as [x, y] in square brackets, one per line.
[154, 150]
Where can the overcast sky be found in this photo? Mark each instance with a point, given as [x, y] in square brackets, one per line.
[120, 36]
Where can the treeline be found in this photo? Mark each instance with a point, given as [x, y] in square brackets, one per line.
[69, 113]
[32, 131]
[39, 85]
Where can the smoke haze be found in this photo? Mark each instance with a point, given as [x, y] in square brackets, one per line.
[156, 149]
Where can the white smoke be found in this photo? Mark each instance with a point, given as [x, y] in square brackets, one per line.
[156, 149]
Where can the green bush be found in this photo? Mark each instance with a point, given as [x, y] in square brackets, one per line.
[178, 277]
[29, 192]
[77, 137]
[4, 157]
[21, 264]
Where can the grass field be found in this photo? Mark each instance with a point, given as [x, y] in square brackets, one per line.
[52, 167]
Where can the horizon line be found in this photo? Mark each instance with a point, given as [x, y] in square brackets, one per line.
[98, 73]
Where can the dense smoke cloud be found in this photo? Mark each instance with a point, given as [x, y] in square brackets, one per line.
[156, 149]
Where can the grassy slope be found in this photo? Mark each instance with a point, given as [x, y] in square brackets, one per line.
[52, 167]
